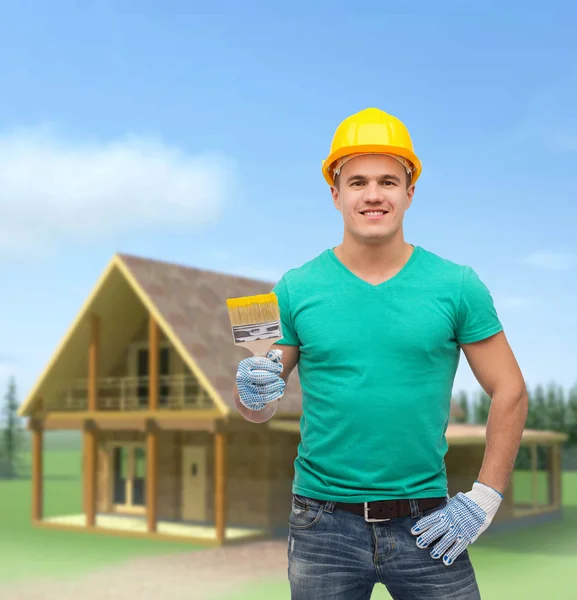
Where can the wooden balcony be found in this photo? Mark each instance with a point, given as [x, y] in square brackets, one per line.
[175, 392]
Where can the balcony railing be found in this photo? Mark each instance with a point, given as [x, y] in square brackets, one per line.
[175, 392]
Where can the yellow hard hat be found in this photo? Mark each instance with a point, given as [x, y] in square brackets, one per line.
[371, 131]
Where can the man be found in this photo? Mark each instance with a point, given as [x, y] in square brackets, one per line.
[376, 326]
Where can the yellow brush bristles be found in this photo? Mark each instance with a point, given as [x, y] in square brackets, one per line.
[251, 310]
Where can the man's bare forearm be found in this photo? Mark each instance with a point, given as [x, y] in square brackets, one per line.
[255, 416]
[507, 418]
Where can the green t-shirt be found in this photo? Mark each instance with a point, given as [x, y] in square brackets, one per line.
[377, 366]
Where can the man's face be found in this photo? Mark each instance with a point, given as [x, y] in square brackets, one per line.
[373, 183]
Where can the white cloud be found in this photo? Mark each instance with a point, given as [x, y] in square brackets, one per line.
[53, 190]
[551, 261]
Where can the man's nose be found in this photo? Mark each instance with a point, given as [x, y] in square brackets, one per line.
[373, 192]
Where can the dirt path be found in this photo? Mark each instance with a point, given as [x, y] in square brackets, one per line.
[199, 575]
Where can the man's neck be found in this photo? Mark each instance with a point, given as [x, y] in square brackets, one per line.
[377, 262]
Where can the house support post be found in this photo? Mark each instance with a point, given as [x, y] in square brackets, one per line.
[534, 476]
[37, 475]
[220, 454]
[151, 476]
[153, 367]
[152, 429]
[90, 473]
[93, 355]
[554, 472]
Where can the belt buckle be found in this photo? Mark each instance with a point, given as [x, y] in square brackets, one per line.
[369, 520]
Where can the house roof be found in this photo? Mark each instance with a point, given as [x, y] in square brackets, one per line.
[457, 433]
[190, 306]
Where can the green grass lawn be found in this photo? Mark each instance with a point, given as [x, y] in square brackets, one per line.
[522, 487]
[28, 551]
[529, 564]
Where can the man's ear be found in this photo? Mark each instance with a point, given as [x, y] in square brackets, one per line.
[410, 194]
[335, 195]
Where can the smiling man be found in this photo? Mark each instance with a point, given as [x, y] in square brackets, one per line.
[376, 326]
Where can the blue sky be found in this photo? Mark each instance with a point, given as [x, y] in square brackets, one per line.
[160, 129]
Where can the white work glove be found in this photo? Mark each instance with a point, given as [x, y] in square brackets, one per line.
[258, 380]
[461, 521]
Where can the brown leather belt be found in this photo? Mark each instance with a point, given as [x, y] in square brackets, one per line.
[383, 510]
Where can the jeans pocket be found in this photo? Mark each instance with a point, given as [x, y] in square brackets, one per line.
[305, 512]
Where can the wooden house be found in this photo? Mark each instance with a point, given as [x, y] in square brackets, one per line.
[146, 372]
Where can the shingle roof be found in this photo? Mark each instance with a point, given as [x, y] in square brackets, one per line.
[193, 303]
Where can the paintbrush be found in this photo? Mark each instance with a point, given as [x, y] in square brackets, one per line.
[255, 322]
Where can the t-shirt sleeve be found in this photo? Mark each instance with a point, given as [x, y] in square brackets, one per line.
[290, 337]
[477, 318]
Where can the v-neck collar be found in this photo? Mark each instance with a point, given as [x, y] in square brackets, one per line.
[405, 269]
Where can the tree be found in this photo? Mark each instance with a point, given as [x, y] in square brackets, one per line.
[537, 417]
[555, 410]
[571, 419]
[482, 408]
[462, 404]
[11, 437]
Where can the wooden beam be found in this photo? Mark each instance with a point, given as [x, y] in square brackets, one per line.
[191, 420]
[90, 474]
[93, 354]
[127, 534]
[554, 474]
[37, 474]
[64, 423]
[129, 421]
[152, 477]
[187, 425]
[153, 353]
[534, 476]
[134, 424]
[220, 455]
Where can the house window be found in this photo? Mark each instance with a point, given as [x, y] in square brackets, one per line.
[139, 479]
[143, 373]
[120, 476]
[129, 477]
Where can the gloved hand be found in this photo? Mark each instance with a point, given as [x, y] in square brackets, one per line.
[461, 521]
[258, 380]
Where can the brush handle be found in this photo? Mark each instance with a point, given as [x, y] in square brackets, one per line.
[259, 347]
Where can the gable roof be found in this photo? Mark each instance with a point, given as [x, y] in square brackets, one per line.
[190, 306]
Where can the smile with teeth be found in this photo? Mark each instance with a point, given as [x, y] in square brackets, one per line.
[374, 213]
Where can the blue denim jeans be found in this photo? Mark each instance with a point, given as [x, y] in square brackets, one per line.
[334, 554]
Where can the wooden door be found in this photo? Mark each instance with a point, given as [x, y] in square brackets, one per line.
[193, 483]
